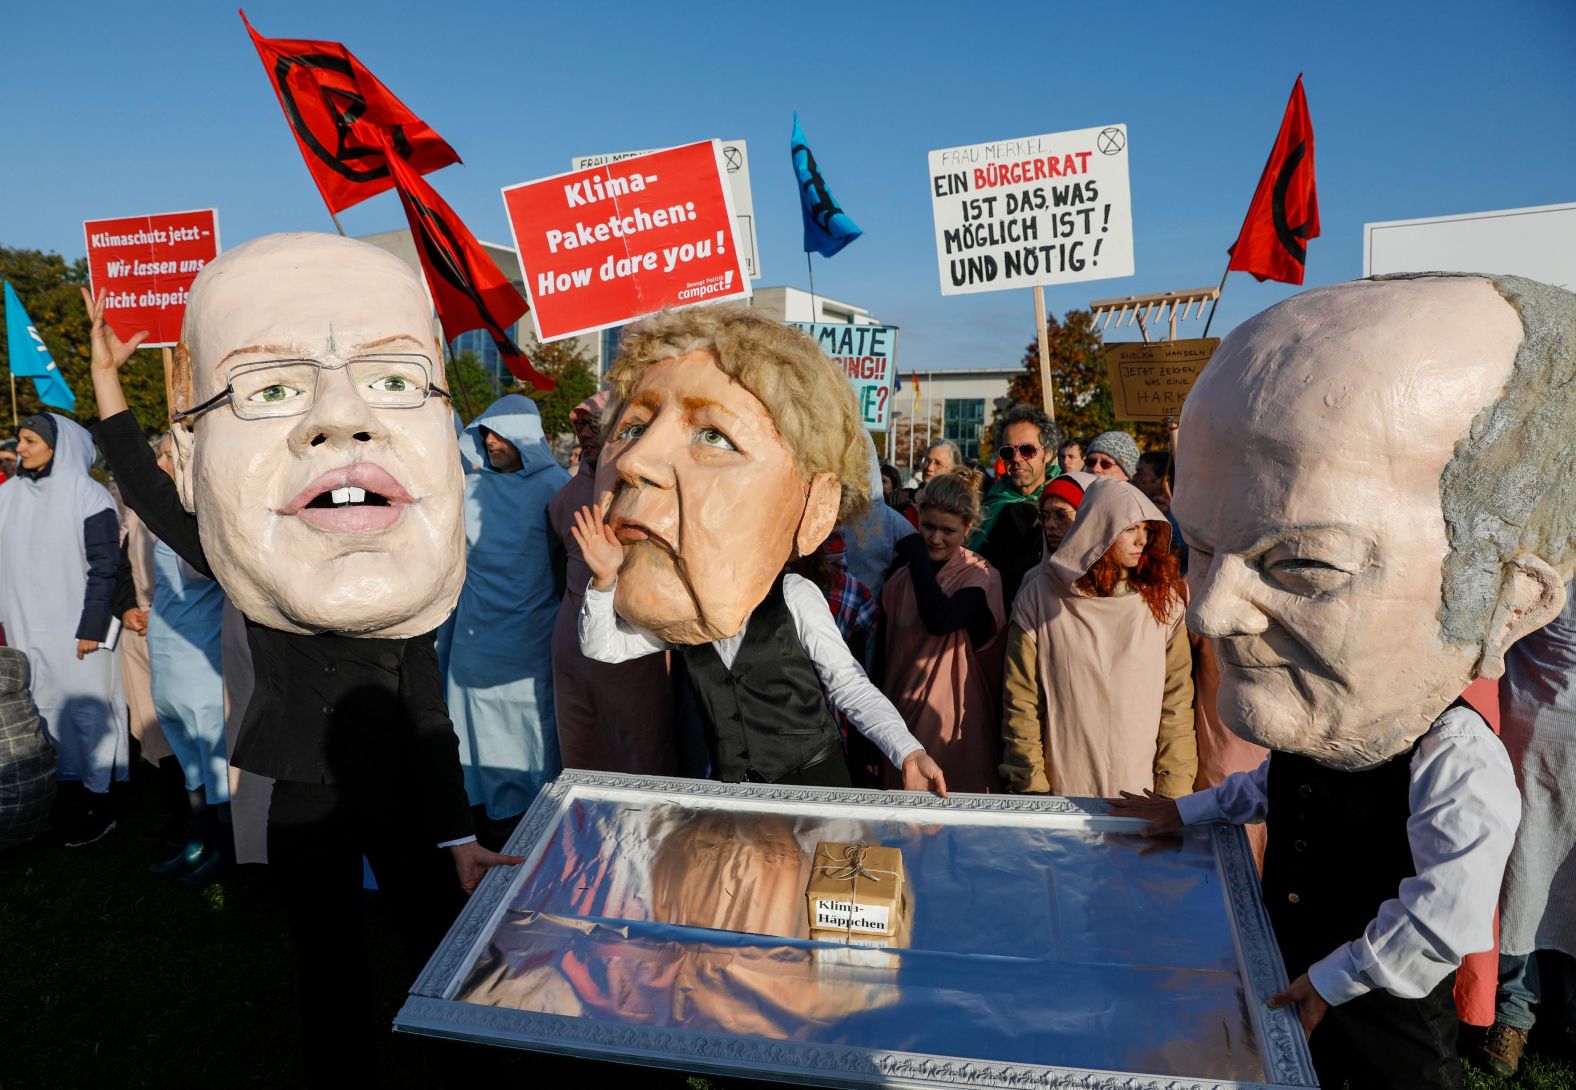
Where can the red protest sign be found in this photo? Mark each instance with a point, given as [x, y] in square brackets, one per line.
[604, 245]
[147, 264]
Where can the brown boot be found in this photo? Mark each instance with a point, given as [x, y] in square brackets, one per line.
[1501, 1051]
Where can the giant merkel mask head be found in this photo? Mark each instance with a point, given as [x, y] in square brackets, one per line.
[1378, 484]
[733, 445]
[317, 446]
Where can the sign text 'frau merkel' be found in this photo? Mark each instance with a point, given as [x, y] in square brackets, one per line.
[1051, 209]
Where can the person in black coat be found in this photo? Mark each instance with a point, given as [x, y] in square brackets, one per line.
[318, 483]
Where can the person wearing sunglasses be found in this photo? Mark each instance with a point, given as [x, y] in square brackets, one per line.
[1008, 531]
[317, 479]
[1112, 454]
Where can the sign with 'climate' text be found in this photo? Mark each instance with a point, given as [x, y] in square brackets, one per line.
[1051, 209]
[146, 265]
[601, 246]
[868, 356]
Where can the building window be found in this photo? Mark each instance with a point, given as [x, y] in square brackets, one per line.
[963, 421]
[610, 346]
[479, 344]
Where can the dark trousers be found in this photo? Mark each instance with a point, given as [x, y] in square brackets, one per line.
[1382, 1042]
[317, 835]
[830, 771]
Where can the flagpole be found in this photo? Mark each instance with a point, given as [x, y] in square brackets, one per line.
[1218, 292]
[811, 266]
[13, 399]
[337, 227]
[169, 385]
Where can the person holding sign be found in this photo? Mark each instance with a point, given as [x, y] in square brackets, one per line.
[735, 444]
[317, 480]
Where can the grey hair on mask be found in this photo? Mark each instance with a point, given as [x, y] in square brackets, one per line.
[1509, 489]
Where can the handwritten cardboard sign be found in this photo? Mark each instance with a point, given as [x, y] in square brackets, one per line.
[1051, 209]
[1150, 381]
[605, 245]
[147, 264]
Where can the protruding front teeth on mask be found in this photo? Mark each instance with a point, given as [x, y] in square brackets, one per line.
[347, 495]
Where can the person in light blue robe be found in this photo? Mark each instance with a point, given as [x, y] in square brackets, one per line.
[497, 648]
[185, 663]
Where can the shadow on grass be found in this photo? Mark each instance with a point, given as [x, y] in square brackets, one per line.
[114, 977]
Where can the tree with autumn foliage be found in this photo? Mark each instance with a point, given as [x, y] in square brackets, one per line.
[50, 289]
[1082, 391]
[565, 362]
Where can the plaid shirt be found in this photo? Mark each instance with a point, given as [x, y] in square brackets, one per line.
[851, 603]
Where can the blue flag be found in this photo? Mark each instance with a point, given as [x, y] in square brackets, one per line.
[29, 357]
[827, 228]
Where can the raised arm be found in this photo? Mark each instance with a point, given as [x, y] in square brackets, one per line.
[143, 485]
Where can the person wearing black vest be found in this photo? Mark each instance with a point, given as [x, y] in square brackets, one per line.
[733, 445]
[348, 718]
[1378, 881]
[760, 693]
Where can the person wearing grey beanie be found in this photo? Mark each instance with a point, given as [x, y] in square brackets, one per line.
[1120, 452]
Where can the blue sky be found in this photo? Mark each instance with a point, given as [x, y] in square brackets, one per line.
[1419, 109]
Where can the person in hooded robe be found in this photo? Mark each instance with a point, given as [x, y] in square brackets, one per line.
[612, 716]
[61, 542]
[1098, 693]
[498, 647]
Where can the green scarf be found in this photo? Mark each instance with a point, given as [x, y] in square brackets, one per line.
[1001, 495]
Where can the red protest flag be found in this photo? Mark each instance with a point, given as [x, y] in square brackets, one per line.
[343, 118]
[468, 288]
[1284, 213]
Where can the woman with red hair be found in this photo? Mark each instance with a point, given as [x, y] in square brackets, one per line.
[1098, 694]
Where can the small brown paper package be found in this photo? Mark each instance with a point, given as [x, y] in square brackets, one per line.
[856, 889]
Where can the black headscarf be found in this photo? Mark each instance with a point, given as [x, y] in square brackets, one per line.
[43, 426]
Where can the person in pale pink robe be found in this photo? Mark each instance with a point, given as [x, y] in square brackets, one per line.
[1097, 692]
[612, 717]
[943, 627]
[135, 675]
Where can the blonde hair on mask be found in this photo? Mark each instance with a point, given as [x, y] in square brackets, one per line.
[956, 492]
[809, 399]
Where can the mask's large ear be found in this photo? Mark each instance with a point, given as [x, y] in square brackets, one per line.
[820, 512]
[179, 389]
[1531, 594]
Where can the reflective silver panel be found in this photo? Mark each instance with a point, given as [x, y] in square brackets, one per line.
[664, 920]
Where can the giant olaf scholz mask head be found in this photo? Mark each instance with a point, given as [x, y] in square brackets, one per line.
[318, 449]
[1378, 483]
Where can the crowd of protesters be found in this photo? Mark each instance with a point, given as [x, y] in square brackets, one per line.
[1027, 625]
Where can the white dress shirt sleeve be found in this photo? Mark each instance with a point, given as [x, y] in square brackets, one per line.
[605, 637]
[1465, 810]
[456, 843]
[1239, 799]
[846, 685]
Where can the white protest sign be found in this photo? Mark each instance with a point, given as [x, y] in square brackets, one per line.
[1051, 209]
[736, 162]
[868, 356]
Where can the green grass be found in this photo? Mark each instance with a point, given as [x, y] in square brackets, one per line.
[112, 977]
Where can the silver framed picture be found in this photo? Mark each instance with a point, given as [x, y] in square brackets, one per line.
[1039, 942]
